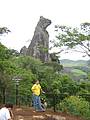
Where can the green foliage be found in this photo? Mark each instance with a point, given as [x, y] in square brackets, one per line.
[85, 85]
[84, 90]
[42, 49]
[4, 52]
[76, 106]
[72, 37]
[44, 72]
[4, 30]
[88, 76]
[6, 73]
[26, 83]
[27, 62]
[52, 80]
[56, 66]
[68, 85]
[78, 72]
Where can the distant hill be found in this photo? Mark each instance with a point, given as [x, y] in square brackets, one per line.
[75, 69]
[71, 63]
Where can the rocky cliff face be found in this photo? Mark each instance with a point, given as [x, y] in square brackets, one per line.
[23, 50]
[39, 45]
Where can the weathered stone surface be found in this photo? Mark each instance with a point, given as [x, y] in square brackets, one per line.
[39, 45]
[23, 50]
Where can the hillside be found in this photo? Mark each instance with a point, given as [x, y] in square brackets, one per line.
[71, 63]
[75, 69]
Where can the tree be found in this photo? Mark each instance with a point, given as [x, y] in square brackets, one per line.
[72, 38]
[4, 52]
[7, 69]
[4, 30]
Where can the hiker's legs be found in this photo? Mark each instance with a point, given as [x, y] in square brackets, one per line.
[39, 107]
[37, 103]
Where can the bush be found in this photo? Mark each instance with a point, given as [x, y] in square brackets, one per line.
[76, 106]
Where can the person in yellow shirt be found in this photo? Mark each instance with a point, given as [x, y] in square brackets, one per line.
[36, 90]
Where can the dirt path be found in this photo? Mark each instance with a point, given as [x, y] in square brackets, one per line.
[29, 114]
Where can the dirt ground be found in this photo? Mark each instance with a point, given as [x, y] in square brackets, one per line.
[23, 113]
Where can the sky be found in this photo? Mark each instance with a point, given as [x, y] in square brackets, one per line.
[21, 17]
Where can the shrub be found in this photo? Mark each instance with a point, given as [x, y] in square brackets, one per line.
[76, 106]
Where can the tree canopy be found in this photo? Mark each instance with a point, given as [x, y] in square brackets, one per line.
[77, 38]
[4, 30]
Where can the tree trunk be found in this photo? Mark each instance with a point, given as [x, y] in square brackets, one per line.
[3, 95]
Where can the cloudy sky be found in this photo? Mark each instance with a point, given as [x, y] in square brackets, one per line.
[21, 17]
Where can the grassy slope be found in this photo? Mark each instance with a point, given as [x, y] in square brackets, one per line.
[78, 72]
[71, 63]
[71, 66]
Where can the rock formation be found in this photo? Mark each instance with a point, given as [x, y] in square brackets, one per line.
[23, 50]
[39, 45]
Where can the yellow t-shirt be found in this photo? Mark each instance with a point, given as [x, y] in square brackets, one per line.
[36, 88]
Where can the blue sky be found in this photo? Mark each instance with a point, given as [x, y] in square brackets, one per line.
[21, 17]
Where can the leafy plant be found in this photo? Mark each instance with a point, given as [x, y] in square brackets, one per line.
[71, 38]
[76, 106]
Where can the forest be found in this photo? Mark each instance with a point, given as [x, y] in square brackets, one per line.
[67, 88]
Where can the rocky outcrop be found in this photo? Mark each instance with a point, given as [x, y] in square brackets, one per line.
[23, 50]
[39, 45]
